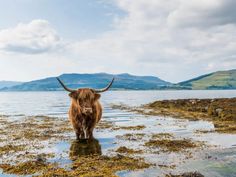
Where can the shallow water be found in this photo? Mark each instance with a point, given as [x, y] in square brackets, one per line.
[222, 150]
[57, 103]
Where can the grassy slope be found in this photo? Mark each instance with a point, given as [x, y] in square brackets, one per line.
[217, 80]
[8, 83]
[99, 80]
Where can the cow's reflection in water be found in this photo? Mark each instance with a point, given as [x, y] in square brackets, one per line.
[84, 147]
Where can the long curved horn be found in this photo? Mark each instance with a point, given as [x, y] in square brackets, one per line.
[63, 85]
[104, 89]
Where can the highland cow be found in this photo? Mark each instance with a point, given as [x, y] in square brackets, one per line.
[85, 110]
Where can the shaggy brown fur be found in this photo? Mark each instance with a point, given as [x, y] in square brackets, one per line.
[85, 112]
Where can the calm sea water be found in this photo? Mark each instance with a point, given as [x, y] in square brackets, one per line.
[56, 104]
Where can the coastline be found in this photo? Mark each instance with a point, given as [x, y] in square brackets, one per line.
[38, 141]
[220, 111]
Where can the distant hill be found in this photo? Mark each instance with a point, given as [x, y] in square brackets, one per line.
[8, 84]
[99, 80]
[216, 80]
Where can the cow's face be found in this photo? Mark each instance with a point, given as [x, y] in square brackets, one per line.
[85, 99]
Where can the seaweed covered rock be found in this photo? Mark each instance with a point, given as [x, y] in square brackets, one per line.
[221, 111]
[187, 174]
[92, 165]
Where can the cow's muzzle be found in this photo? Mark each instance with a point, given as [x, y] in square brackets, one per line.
[87, 111]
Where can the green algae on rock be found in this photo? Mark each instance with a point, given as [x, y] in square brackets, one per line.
[221, 111]
[26, 168]
[171, 145]
[126, 150]
[105, 165]
[11, 148]
[22, 139]
[162, 135]
[86, 166]
[137, 127]
[187, 174]
[104, 125]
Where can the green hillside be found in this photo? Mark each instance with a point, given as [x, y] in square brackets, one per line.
[216, 80]
[98, 80]
[4, 84]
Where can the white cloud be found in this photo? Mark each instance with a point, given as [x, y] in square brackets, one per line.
[203, 13]
[172, 39]
[32, 38]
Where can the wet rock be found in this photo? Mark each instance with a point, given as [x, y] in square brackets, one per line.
[187, 174]
[222, 111]
[218, 111]
[172, 145]
[126, 150]
[40, 158]
[137, 127]
[193, 101]
[208, 156]
[205, 109]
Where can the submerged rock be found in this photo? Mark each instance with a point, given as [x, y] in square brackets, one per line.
[172, 145]
[187, 174]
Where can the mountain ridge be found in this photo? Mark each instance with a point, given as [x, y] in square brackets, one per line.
[97, 80]
[4, 83]
[125, 81]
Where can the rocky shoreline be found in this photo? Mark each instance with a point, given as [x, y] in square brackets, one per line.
[24, 141]
[220, 111]
[27, 144]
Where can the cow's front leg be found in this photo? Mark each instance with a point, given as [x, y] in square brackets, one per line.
[77, 126]
[90, 129]
[90, 134]
[79, 134]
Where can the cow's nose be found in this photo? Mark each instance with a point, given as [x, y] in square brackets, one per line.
[87, 110]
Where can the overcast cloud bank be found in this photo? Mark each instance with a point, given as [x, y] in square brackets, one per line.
[172, 39]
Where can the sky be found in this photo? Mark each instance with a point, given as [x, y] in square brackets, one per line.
[174, 40]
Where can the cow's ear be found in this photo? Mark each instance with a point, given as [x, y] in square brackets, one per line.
[73, 95]
[97, 96]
